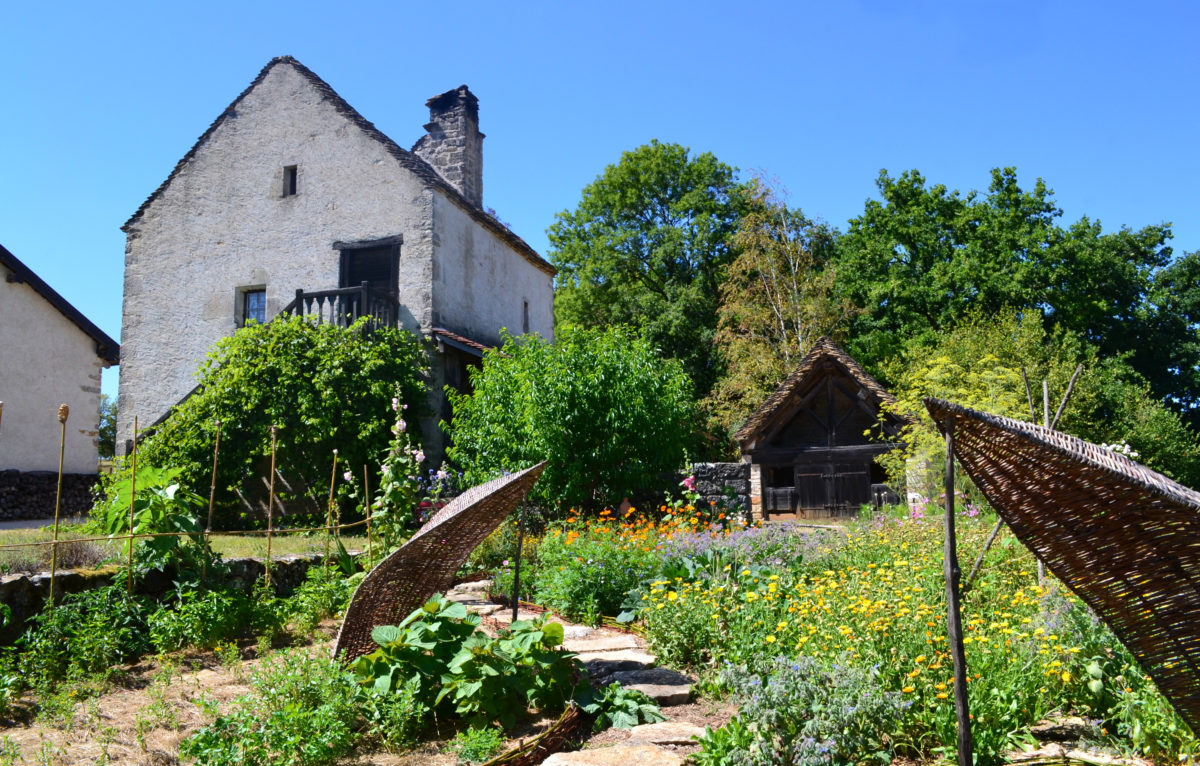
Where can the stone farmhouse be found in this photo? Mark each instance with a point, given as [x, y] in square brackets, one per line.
[291, 201]
[50, 354]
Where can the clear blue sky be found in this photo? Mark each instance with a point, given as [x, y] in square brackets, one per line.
[1099, 99]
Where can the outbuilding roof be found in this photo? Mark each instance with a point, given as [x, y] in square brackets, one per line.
[763, 419]
[407, 159]
[106, 348]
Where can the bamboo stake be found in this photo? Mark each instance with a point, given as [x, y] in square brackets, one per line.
[329, 508]
[151, 535]
[1041, 568]
[212, 493]
[953, 613]
[132, 496]
[63, 411]
[367, 504]
[270, 508]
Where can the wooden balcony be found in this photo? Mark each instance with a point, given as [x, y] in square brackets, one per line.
[345, 305]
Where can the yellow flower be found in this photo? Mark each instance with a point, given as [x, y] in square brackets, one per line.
[942, 695]
[771, 639]
[1066, 677]
[908, 689]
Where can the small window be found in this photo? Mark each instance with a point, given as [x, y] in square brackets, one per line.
[254, 307]
[525, 316]
[289, 181]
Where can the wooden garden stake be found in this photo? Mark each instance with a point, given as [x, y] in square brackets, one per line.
[63, 411]
[212, 493]
[367, 506]
[517, 561]
[270, 508]
[953, 613]
[329, 508]
[132, 496]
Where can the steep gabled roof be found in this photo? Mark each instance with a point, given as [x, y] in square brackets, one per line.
[106, 348]
[408, 160]
[762, 420]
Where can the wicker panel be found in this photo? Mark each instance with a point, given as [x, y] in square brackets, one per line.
[426, 564]
[1124, 538]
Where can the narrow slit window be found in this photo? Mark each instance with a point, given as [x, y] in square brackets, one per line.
[289, 181]
[525, 316]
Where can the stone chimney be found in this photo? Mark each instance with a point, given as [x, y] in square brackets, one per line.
[453, 144]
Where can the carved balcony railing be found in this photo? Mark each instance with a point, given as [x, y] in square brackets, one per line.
[345, 305]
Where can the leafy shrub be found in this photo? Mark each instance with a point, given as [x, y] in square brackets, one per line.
[394, 511]
[603, 406]
[289, 372]
[323, 594]
[476, 745]
[438, 652]
[620, 708]
[200, 619]
[585, 576]
[160, 505]
[395, 718]
[302, 712]
[807, 713]
[85, 633]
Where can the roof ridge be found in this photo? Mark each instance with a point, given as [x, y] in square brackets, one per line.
[106, 348]
[412, 162]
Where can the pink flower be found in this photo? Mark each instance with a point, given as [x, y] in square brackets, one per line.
[395, 405]
[347, 477]
[420, 456]
[400, 424]
[690, 483]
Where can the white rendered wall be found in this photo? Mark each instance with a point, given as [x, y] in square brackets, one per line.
[480, 282]
[45, 361]
[223, 223]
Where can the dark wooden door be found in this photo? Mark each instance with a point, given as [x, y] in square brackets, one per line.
[376, 265]
[852, 486]
[812, 486]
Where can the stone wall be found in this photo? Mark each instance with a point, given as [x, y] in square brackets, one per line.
[712, 479]
[26, 594]
[30, 494]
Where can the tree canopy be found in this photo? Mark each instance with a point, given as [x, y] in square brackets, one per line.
[647, 247]
[920, 258]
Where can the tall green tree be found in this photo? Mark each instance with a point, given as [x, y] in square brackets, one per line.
[648, 246]
[777, 300]
[921, 257]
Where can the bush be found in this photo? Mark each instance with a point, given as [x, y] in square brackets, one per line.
[476, 745]
[84, 634]
[160, 505]
[200, 620]
[586, 576]
[302, 712]
[323, 594]
[608, 412]
[326, 387]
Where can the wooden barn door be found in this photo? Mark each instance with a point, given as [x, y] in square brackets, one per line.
[813, 487]
[852, 485]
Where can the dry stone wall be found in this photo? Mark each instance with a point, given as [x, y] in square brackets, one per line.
[30, 494]
[715, 481]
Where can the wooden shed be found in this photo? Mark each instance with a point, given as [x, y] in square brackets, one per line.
[812, 444]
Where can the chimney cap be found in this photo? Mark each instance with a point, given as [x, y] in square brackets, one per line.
[451, 98]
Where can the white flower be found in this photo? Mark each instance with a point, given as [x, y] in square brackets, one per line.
[347, 476]
[395, 404]
[401, 425]
[420, 456]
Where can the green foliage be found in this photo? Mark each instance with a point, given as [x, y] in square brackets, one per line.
[106, 431]
[302, 712]
[323, 594]
[326, 387]
[923, 258]
[200, 620]
[603, 406]
[476, 745]
[617, 707]
[588, 577]
[647, 246]
[160, 505]
[394, 718]
[83, 634]
[439, 654]
[776, 301]
[978, 364]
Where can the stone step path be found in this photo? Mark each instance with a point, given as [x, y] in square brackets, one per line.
[610, 656]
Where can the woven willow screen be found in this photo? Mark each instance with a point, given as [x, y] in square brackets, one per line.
[1124, 538]
[426, 564]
